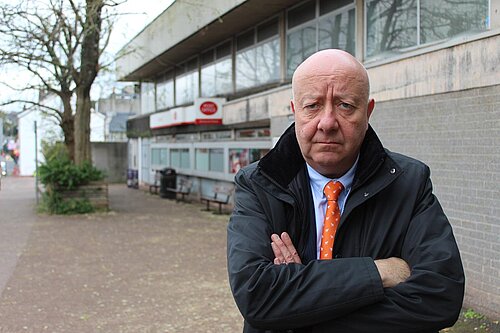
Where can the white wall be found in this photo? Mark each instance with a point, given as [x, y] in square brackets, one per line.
[97, 127]
[47, 129]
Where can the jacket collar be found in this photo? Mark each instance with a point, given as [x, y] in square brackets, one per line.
[285, 160]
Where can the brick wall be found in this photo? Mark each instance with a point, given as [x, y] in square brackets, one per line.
[458, 135]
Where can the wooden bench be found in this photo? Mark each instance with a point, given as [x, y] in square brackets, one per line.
[219, 197]
[155, 187]
[183, 189]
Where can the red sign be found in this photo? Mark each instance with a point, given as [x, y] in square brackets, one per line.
[208, 108]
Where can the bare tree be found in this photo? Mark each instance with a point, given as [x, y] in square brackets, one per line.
[60, 42]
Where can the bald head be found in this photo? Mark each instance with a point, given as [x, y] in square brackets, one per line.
[331, 62]
[332, 108]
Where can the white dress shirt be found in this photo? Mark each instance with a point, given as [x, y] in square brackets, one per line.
[318, 183]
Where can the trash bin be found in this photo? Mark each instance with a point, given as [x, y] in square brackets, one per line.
[130, 177]
[135, 178]
[168, 179]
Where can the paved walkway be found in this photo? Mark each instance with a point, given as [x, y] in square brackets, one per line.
[150, 265]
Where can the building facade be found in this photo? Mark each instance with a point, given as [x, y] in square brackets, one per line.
[215, 96]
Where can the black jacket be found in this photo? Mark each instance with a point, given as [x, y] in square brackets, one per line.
[391, 212]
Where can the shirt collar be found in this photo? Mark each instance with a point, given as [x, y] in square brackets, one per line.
[318, 181]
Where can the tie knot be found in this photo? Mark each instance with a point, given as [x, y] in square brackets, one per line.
[332, 190]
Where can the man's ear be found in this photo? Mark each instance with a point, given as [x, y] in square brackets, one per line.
[292, 106]
[371, 106]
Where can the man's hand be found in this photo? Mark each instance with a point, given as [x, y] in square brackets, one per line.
[392, 271]
[284, 251]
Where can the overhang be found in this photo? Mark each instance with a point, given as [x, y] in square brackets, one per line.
[158, 47]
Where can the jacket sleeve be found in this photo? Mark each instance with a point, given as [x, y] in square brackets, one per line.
[288, 296]
[431, 298]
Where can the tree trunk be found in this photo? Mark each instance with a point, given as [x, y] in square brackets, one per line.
[82, 126]
[88, 71]
[68, 125]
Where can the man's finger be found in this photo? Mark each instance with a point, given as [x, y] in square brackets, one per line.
[287, 256]
[276, 250]
[294, 256]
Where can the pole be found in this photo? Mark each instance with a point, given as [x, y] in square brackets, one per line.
[36, 163]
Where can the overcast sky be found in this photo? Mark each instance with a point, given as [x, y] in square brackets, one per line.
[137, 14]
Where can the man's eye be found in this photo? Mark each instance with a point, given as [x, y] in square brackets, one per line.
[313, 106]
[345, 106]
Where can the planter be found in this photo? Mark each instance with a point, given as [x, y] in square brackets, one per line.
[95, 192]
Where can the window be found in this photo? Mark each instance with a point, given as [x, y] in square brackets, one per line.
[155, 156]
[392, 26]
[216, 71]
[147, 97]
[307, 32]
[444, 19]
[258, 56]
[179, 158]
[165, 92]
[210, 159]
[216, 159]
[159, 156]
[215, 136]
[186, 82]
[301, 43]
[202, 159]
[239, 158]
[253, 133]
[337, 31]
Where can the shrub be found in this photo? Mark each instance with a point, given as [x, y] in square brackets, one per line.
[59, 174]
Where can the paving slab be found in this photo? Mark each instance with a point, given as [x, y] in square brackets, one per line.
[149, 265]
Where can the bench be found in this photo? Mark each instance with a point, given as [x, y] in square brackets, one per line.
[154, 188]
[218, 197]
[183, 189]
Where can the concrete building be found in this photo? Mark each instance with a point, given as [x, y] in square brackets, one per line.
[47, 129]
[116, 109]
[215, 91]
[108, 133]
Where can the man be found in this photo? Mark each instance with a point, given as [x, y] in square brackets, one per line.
[395, 266]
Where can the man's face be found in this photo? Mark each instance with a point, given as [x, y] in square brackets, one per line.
[331, 117]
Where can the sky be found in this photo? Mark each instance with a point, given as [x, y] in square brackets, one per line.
[136, 14]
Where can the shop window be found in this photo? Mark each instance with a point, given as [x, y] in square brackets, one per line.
[202, 159]
[155, 156]
[241, 157]
[210, 159]
[179, 158]
[216, 159]
[163, 156]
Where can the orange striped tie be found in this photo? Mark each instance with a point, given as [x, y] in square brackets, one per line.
[332, 218]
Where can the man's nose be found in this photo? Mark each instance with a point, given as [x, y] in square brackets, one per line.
[328, 119]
